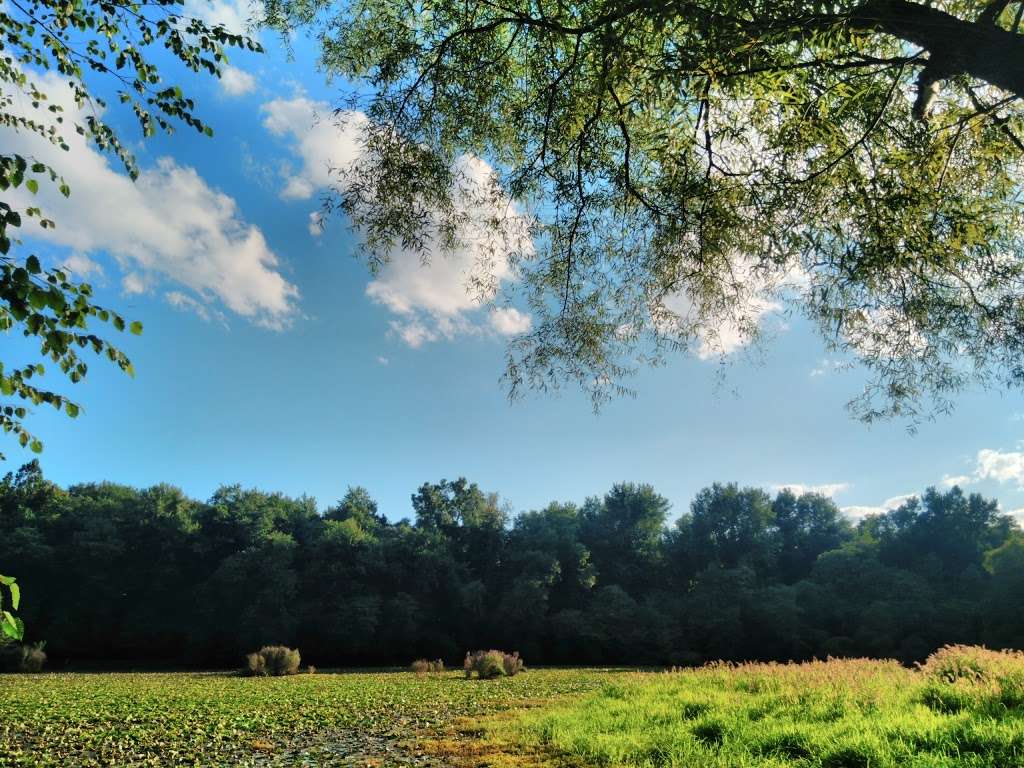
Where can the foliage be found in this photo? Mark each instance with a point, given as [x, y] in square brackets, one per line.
[11, 627]
[155, 577]
[422, 667]
[86, 44]
[22, 657]
[216, 719]
[486, 664]
[681, 168]
[824, 713]
[273, 661]
[511, 663]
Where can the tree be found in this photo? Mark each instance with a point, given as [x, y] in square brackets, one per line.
[806, 526]
[624, 532]
[730, 526]
[86, 43]
[680, 167]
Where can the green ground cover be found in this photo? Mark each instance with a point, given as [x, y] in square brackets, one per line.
[210, 719]
[963, 709]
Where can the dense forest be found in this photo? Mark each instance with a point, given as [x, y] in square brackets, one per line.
[117, 574]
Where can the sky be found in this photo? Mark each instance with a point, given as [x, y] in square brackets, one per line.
[272, 358]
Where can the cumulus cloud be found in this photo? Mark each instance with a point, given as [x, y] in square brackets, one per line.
[950, 480]
[994, 465]
[825, 489]
[186, 303]
[168, 225]
[81, 266]
[233, 15]
[318, 141]
[236, 82]
[1001, 466]
[509, 321]
[441, 300]
[316, 223]
[860, 512]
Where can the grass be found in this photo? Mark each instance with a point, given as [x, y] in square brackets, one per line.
[963, 709]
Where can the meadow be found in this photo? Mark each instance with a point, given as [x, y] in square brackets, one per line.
[963, 708]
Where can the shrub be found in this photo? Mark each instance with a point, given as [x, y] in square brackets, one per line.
[491, 664]
[512, 664]
[23, 658]
[421, 667]
[310, 670]
[33, 657]
[273, 660]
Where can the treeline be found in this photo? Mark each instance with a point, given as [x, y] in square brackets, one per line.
[113, 573]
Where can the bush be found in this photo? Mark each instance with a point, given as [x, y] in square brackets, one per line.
[22, 658]
[511, 663]
[273, 660]
[422, 667]
[33, 657]
[491, 664]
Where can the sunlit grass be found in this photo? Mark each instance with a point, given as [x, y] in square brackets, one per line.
[834, 714]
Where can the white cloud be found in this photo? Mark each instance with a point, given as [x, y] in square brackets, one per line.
[134, 283]
[860, 512]
[413, 333]
[317, 140]
[1001, 466]
[381, 360]
[431, 302]
[1017, 514]
[168, 225]
[825, 489]
[236, 82]
[316, 223]
[827, 365]
[233, 15]
[509, 321]
[81, 266]
[950, 480]
[186, 303]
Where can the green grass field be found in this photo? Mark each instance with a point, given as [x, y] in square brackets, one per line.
[964, 708]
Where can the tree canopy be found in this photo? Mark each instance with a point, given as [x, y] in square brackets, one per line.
[660, 174]
[150, 575]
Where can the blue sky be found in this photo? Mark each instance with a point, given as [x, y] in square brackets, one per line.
[272, 358]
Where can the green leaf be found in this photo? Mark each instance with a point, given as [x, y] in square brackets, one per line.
[33, 186]
[15, 595]
[135, 327]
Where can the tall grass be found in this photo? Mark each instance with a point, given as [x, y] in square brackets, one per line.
[963, 708]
